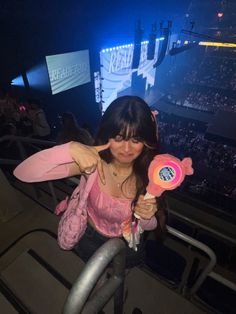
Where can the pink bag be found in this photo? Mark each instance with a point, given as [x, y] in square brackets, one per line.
[62, 206]
[73, 222]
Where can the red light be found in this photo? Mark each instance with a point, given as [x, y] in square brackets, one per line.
[220, 14]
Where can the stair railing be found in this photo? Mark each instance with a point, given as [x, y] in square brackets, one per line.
[77, 301]
[206, 249]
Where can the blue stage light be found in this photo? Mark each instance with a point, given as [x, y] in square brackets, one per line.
[38, 77]
[18, 81]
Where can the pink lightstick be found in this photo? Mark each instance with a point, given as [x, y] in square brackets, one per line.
[165, 172]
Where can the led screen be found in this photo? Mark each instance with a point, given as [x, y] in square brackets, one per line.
[117, 72]
[68, 70]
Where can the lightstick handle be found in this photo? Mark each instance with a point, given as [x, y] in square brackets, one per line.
[147, 196]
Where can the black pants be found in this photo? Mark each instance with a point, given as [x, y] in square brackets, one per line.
[92, 240]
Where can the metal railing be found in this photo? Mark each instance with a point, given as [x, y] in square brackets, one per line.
[231, 285]
[112, 250]
[212, 257]
[32, 143]
[197, 225]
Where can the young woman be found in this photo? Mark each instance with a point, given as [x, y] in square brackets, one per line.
[127, 142]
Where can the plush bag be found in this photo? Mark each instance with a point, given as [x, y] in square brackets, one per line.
[73, 222]
[62, 206]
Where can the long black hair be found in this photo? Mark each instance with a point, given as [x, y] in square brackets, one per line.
[130, 116]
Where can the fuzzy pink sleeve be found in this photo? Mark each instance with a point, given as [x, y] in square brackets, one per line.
[48, 164]
[148, 224]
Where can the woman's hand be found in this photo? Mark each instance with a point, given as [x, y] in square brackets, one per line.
[87, 158]
[145, 209]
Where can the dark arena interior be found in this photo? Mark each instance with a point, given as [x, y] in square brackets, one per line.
[71, 59]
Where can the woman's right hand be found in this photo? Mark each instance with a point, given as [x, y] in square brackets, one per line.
[145, 208]
[87, 158]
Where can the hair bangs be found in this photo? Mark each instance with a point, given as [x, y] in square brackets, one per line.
[128, 128]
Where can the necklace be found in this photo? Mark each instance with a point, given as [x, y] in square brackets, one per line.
[119, 178]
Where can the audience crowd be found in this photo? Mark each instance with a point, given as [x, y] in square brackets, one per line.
[214, 162]
[25, 118]
[208, 100]
[70, 131]
[208, 83]
[214, 72]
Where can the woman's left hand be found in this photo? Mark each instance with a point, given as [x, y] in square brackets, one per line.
[145, 209]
